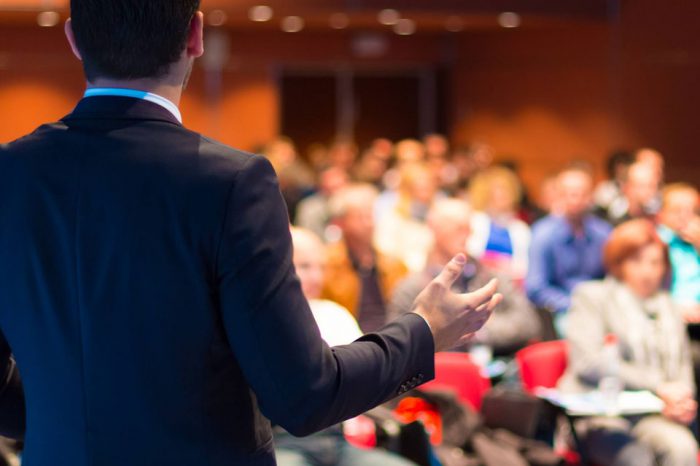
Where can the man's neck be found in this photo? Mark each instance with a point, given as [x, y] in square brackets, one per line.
[576, 223]
[362, 252]
[170, 91]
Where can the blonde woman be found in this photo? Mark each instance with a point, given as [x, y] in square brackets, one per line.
[499, 239]
[401, 231]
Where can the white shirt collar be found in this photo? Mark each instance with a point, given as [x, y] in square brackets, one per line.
[136, 94]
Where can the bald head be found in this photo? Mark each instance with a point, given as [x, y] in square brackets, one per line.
[652, 158]
[409, 151]
[450, 222]
[309, 261]
[642, 185]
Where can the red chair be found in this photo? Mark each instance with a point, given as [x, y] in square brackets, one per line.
[453, 372]
[542, 364]
[458, 373]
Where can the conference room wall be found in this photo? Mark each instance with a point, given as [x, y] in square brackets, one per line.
[540, 97]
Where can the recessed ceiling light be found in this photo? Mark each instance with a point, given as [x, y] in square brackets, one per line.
[292, 24]
[339, 21]
[454, 24]
[509, 19]
[389, 17]
[47, 19]
[260, 13]
[217, 18]
[405, 27]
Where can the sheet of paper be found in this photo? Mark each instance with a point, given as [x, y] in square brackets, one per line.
[593, 404]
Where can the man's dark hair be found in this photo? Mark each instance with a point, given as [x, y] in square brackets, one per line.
[131, 39]
[618, 157]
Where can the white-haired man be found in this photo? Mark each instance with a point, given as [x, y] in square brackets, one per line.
[513, 325]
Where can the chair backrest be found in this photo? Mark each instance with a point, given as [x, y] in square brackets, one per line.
[457, 372]
[542, 364]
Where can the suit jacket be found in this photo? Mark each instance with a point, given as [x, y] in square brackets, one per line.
[149, 298]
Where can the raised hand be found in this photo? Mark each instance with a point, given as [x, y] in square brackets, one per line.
[454, 317]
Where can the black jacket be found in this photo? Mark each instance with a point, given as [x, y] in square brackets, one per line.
[148, 294]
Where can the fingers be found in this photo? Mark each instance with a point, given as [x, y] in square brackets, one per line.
[491, 305]
[452, 271]
[482, 296]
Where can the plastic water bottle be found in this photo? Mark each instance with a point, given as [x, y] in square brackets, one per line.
[610, 384]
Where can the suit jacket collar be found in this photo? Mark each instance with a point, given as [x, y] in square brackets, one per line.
[119, 108]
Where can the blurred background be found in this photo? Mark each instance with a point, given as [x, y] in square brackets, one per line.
[542, 82]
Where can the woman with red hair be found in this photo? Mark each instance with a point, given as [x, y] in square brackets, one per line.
[633, 304]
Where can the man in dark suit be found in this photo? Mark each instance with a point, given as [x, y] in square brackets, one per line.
[148, 293]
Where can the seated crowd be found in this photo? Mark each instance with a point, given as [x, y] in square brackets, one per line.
[622, 258]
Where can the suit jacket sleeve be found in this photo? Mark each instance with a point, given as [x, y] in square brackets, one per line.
[300, 383]
[12, 416]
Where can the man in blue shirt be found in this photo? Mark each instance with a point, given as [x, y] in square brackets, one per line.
[566, 246]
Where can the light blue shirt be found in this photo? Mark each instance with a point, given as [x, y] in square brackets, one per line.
[685, 262]
[136, 94]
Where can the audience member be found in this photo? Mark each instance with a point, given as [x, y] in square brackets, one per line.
[337, 327]
[317, 155]
[609, 192]
[640, 192]
[436, 146]
[358, 277]
[566, 247]
[679, 227]
[343, 154]
[407, 152]
[514, 323]
[527, 210]
[336, 324]
[372, 166]
[499, 239]
[468, 161]
[548, 196]
[437, 157]
[296, 179]
[632, 305]
[312, 212]
[653, 159]
[401, 231]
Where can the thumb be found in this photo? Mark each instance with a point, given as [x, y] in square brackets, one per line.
[452, 270]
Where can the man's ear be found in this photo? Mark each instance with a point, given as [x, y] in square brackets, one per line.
[195, 39]
[68, 29]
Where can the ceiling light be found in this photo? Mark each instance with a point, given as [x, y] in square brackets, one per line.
[217, 18]
[292, 24]
[260, 13]
[389, 17]
[47, 19]
[405, 27]
[339, 21]
[509, 19]
[454, 24]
